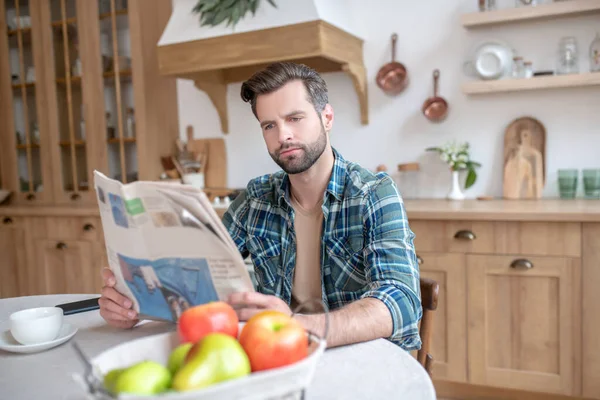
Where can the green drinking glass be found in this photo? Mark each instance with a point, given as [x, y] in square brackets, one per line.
[591, 183]
[567, 183]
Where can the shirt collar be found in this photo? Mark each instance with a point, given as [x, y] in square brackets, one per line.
[335, 187]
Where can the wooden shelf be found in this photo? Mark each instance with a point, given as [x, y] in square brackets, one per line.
[73, 20]
[124, 74]
[117, 13]
[535, 83]
[544, 11]
[20, 85]
[28, 146]
[14, 32]
[125, 140]
[78, 143]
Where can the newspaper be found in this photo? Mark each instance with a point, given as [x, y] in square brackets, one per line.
[167, 247]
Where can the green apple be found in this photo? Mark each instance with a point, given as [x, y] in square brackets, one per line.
[177, 357]
[110, 379]
[145, 377]
[217, 357]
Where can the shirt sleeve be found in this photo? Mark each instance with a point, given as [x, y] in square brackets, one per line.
[233, 221]
[391, 267]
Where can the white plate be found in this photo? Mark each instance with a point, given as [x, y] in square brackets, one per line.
[491, 59]
[8, 343]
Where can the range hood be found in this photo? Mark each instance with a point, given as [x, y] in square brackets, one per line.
[318, 33]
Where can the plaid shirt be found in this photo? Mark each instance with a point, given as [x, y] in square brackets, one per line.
[367, 246]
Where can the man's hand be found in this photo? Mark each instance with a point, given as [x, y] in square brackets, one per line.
[114, 307]
[249, 303]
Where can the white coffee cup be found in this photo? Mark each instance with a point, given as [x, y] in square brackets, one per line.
[36, 325]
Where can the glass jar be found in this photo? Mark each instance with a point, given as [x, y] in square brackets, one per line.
[527, 69]
[595, 54]
[487, 5]
[518, 67]
[567, 56]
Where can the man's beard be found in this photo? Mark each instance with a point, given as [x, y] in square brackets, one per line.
[309, 154]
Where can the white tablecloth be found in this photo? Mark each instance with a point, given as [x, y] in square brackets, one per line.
[372, 370]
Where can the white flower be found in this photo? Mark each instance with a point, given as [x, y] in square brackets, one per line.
[463, 158]
[444, 157]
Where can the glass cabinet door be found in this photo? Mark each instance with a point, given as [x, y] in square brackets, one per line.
[26, 161]
[115, 49]
[69, 85]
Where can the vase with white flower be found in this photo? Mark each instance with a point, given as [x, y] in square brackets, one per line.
[457, 156]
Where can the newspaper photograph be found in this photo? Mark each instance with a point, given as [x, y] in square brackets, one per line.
[167, 247]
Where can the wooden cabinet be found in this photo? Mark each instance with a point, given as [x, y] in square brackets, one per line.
[12, 256]
[80, 91]
[67, 266]
[510, 307]
[524, 322]
[51, 255]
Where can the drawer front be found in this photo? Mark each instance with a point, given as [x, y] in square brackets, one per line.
[490, 237]
[74, 228]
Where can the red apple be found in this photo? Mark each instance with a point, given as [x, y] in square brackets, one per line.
[273, 339]
[197, 322]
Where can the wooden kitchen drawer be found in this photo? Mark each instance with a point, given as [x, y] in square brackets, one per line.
[494, 237]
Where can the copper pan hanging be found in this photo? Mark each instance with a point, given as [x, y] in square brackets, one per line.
[435, 108]
[392, 78]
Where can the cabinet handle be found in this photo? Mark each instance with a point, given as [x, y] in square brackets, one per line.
[465, 235]
[88, 227]
[30, 196]
[521, 263]
[61, 246]
[75, 196]
[419, 260]
[7, 221]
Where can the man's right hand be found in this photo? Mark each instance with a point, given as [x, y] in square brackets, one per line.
[114, 307]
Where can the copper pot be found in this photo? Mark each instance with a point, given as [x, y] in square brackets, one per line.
[435, 108]
[392, 78]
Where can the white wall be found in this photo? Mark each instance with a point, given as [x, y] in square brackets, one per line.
[430, 36]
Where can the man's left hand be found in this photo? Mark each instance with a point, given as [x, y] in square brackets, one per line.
[249, 303]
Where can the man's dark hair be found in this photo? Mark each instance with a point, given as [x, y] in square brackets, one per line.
[277, 75]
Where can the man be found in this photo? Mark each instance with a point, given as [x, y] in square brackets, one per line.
[321, 230]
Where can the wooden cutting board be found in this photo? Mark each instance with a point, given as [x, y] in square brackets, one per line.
[524, 159]
[216, 163]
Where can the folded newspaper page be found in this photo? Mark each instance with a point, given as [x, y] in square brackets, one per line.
[167, 247]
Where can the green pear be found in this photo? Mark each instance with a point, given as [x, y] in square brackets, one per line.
[177, 357]
[110, 379]
[145, 377]
[216, 358]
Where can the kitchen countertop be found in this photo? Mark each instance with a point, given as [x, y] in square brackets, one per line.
[577, 210]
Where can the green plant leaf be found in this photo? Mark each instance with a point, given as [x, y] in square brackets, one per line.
[272, 2]
[433, 149]
[253, 6]
[471, 178]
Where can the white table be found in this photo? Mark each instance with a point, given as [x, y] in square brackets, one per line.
[372, 370]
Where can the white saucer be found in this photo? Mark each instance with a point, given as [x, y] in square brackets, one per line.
[8, 343]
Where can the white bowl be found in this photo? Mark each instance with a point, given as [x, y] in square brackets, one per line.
[36, 325]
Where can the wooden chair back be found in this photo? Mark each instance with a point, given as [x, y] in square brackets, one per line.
[429, 300]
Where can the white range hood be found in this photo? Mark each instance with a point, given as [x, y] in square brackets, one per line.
[319, 33]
